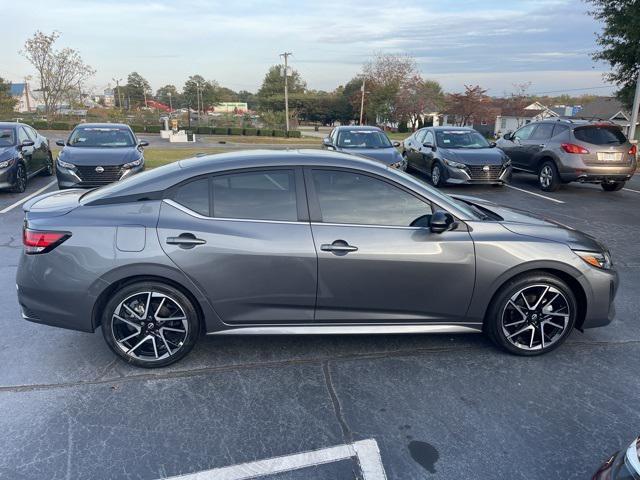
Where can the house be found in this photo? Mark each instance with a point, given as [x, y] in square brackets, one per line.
[608, 109]
[510, 119]
[26, 101]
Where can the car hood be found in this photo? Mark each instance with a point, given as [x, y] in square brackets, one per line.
[6, 152]
[384, 155]
[99, 156]
[526, 223]
[480, 156]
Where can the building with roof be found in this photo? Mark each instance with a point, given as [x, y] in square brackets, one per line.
[26, 101]
[608, 109]
[510, 119]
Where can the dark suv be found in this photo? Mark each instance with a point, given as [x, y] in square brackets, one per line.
[562, 151]
[23, 154]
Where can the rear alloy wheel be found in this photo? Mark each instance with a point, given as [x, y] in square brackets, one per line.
[406, 162]
[20, 184]
[532, 315]
[612, 186]
[437, 176]
[548, 177]
[150, 324]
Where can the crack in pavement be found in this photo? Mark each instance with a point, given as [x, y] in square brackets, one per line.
[347, 435]
[279, 364]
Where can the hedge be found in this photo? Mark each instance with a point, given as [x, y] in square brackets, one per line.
[204, 130]
[221, 131]
[60, 126]
[294, 134]
[39, 125]
[250, 131]
[279, 133]
[152, 128]
[137, 128]
[264, 133]
[235, 131]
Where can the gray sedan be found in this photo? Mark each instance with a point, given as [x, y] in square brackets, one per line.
[291, 242]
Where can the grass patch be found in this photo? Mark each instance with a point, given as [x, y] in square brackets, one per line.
[263, 140]
[398, 136]
[156, 157]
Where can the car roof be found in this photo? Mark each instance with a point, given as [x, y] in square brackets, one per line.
[448, 128]
[103, 125]
[10, 124]
[358, 127]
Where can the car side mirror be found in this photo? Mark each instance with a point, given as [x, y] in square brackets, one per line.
[508, 136]
[396, 144]
[27, 143]
[60, 143]
[441, 221]
[326, 141]
[492, 144]
[143, 143]
[429, 145]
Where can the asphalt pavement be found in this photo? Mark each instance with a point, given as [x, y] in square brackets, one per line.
[436, 406]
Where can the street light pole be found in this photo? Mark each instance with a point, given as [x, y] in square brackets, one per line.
[636, 107]
[170, 104]
[286, 87]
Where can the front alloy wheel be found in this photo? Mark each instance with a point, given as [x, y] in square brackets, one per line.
[436, 176]
[20, 184]
[150, 325]
[532, 315]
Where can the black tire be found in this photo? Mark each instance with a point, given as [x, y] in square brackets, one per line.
[20, 184]
[612, 186]
[167, 347]
[502, 315]
[406, 159]
[49, 168]
[548, 177]
[438, 179]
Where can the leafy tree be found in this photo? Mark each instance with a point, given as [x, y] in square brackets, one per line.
[59, 71]
[418, 98]
[169, 95]
[249, 98]
[619, 42]
[136, 90]
[471, 106]
[271, 93]
[7, 102]
[198, 91]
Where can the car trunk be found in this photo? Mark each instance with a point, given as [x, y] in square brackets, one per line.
[607, 145]
[53, 204]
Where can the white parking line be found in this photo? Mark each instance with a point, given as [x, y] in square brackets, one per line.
[28, 197]
[631, 190]
[365, 451]
[536, 194]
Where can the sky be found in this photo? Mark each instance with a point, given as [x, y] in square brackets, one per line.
[495, 44]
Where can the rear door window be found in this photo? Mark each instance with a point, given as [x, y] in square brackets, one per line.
[542, 132]
[559, 129]
[600, 135]
[259, 195]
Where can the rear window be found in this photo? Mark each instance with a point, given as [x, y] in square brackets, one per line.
[600, 135]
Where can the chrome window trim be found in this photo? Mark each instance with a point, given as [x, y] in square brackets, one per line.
[188, 211]
[397, 227]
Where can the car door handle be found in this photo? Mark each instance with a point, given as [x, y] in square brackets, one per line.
[339, 246]
[542, 145]
[186, 240]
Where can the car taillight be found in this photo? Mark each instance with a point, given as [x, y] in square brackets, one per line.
[572, 148]
[36, 241]
[633, 150]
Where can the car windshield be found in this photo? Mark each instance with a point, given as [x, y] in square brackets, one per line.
[7, 137]
[102, 137]
[363, 139]
[460, 139]
[600, 135]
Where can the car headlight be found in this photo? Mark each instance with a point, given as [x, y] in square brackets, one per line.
[63, 164]
[453, 164]
[135, 163]
[6, 163]
[595, 259]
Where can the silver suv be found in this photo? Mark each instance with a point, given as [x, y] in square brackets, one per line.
[562, 151]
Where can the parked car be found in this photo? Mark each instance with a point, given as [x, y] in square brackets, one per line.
[24, 153]
[563, 151]
[96, 154]
[456, 155]
[371, 142]
[263, 242]
[622, 465]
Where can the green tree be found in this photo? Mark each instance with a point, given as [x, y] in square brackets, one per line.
[198, 91]
[136, 90]
[271, 93]
[619, 42]
[7, 102]
[169, 92]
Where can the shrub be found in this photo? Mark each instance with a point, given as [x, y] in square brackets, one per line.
[60, 126]
[279, 133]
[250, 131]
[221, 131]
[137, 128]
[265, 132]
[295, 134]
[152, 128]
[204, 130]
[235, 131]
[39, 125]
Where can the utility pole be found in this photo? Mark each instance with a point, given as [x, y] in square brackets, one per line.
[26, 91]
[636, 107]
[286, 86]
[362, 101]
[118, 80]
[170, 104]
